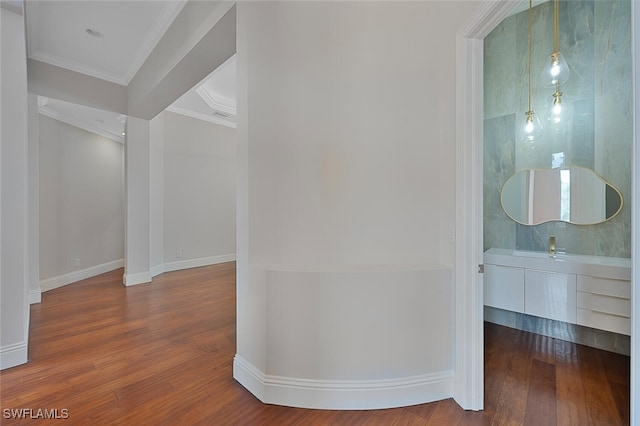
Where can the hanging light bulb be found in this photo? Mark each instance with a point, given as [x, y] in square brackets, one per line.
[559, 115]
[531, 131]
[556, 71]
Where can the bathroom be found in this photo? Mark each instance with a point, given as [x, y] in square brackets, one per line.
[595, 134]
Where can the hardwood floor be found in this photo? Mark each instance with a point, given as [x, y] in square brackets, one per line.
[162, 353]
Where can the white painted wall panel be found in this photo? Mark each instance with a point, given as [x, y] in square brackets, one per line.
[137, 202]
[81, 199]
[358, 325]
[14, 286]
[156, 194]
[199, 189]
[346, 167]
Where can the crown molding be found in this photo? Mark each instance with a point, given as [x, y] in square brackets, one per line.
[74, 66]
[216, 102]
[33, 52]
[169, 14]
[201, 116]
[72, 121]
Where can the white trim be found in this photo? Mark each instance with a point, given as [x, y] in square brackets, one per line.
[157, 270]
[12, 355]
[201, 116]
[635, 218]
[468, 192]
[342, 394]
[216, 102]
[77, 67]
[72, 277]
[191, 263]
[196, 263]
[468, 389]
[35, 296]
[169, 14]
[73, 121]
[135, 279]
[20, 354]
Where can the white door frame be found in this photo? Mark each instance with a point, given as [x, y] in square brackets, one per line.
[635, 217]
[469, 332]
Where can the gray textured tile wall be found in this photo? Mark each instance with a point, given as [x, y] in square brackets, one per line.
[595, 37]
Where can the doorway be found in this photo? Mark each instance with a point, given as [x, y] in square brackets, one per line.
[469, 248]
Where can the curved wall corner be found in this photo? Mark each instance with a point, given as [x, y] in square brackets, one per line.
[354, 339]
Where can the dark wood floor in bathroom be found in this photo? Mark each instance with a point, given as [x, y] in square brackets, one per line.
[162, 354]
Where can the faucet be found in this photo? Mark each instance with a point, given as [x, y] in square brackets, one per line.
[552, 244]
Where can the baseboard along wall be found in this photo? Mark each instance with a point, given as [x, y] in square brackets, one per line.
[129, 279]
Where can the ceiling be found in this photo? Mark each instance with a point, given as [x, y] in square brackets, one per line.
[213, 99]
[104, 123]
[104, 39]
[111, 40]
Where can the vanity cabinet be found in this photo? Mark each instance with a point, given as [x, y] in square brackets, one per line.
[550, 295]
[585, 290]
[604, 303]
[504, 287]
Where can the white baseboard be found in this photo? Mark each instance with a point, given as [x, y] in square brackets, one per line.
[35, 296]
[196, 263]
[72, 277]
[343, 395]
[13, 355]
[179, 265]
[128, 279]
[157, 270]
[135, 279]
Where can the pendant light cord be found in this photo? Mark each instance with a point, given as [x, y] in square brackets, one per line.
[556, 25]
[530, 35]
[556, 44]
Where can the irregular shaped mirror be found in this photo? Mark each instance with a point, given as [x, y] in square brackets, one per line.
[570, 194]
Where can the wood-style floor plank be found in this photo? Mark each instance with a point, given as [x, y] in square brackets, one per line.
[571, 406]
[162, 354]
[541, 398]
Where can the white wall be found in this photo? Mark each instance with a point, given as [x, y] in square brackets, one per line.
[346, 160]
[55, 82]
[14, 287]
[199, 192]
[137, 268]
[156, 194]
[33, 200]
[635, 206]
[201, 38]
[81, 203]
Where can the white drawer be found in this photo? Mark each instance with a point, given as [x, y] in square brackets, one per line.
[603, 321]
[550, 295]
[504, 287]
[604, 286]
[605, 304]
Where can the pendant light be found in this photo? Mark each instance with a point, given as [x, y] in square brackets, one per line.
[559, 114]
[531, 131]
[556, 71]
